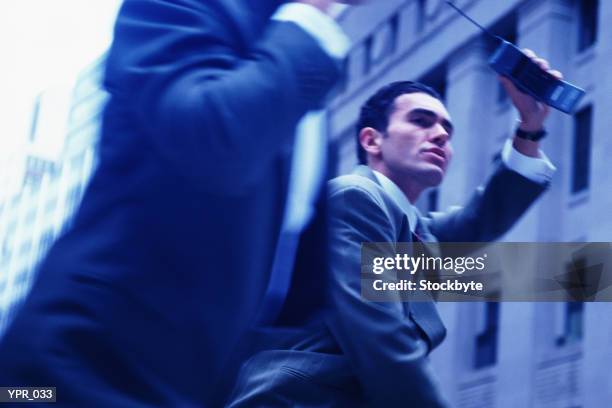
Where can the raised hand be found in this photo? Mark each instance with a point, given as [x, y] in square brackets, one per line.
[532, 112]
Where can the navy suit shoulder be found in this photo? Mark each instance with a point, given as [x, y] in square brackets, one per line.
[193, 108]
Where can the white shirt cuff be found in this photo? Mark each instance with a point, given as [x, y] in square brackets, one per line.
[537, 169]
[318, 25]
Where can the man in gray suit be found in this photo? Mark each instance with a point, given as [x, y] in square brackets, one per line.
[376, 354]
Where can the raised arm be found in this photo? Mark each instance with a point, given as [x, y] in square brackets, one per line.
[516, 184]
[491, 211]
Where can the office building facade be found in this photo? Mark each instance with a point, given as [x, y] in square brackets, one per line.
[552, 355]
[48, 179]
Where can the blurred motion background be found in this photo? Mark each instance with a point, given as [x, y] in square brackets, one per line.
[554, 355]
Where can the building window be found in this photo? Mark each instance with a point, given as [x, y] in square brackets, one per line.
[73, 198]
[394, 32]
[432, 200]
[486, 339]
[45, 242]
[5, 252]
[587, 24]
[22, 277]
[344, 79]
[367, 54]
[421, 16]
[36, 169]
[381, 44]
[35, 115]
[76, 162]
[573, 323]
[582, 149]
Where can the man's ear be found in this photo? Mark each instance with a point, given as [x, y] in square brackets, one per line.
[370, 140]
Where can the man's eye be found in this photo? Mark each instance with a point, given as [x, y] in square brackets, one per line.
[422, 121]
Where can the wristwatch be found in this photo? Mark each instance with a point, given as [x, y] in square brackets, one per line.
[533, 136]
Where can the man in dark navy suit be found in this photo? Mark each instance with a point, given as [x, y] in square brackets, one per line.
[168, 260]
[375, 354]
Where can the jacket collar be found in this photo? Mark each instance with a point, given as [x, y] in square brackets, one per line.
[392, 191]
[365, 171]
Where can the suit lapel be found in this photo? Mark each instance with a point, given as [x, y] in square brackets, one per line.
[423, 312]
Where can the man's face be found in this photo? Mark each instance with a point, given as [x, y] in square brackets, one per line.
[417, 147]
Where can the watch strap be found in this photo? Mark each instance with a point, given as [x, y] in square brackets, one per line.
[533, 136]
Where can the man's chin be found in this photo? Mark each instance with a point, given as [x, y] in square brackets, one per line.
[433, 175]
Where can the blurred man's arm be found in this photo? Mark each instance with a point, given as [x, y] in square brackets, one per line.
[213, 100]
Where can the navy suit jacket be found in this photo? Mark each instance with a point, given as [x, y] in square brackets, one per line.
[147, 294]
[369, 353]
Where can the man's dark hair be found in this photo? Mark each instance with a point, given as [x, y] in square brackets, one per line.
[375, 112]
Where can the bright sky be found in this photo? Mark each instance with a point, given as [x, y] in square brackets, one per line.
[45, 42]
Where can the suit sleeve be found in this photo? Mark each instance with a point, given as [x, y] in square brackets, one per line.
[387, 352]
[212, 101]
[491, 211]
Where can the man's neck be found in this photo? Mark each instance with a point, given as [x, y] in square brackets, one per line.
[411, 190]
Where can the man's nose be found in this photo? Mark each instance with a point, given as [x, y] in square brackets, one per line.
[439, 135]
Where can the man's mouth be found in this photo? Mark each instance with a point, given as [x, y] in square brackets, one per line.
[436, 154]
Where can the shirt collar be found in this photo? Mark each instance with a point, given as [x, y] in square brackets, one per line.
[400, 199]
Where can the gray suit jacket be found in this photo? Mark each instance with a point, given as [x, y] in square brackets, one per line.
[368, 353]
